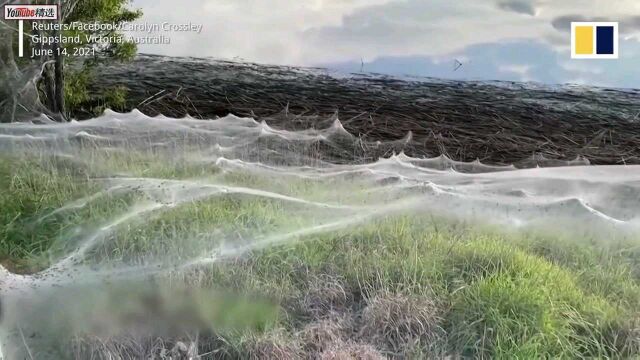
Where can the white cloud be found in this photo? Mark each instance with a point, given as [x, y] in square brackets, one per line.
[581, 67]
[308, 32]
[317, 31]
[270, 31]
[521, 70]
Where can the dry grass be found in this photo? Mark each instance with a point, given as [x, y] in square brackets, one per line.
[132, 347]
[351, 351]
[323, 334]
[627, 336]
[276, 345]
[463, 120]
[400, 322]
[326, 295]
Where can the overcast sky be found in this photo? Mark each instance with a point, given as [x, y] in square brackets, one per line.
[522, 40]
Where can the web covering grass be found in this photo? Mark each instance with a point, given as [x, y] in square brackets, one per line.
[285, 256]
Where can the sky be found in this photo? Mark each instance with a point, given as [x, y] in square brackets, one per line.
[515, 40]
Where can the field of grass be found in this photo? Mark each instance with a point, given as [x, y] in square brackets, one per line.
[402, 286]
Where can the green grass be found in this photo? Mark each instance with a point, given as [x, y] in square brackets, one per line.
[492, 293]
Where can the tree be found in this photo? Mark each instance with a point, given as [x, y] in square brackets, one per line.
[115, 49]
[64, 78]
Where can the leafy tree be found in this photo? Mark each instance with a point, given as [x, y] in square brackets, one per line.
[63, 86]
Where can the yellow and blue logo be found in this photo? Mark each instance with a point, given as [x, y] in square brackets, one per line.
[594, 40]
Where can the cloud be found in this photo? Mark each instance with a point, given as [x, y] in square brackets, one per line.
[268, 31]
[507, 61]
[518, 6]
[311, 32]
[628, 24]
[519, 70]
[306, 32]
[414, 27]
[435, 27]
[512, 61]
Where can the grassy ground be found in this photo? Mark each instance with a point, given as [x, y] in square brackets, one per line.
[399, 287]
